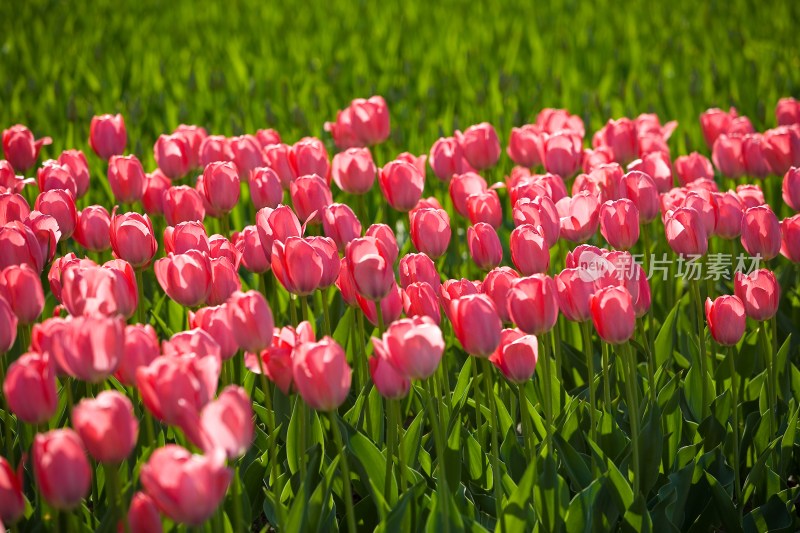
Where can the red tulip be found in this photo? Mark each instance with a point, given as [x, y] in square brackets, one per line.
[658, 166]
[496, 285]
[186, 236]
[276, 359]
[182, 204]
[391, 306]
[729, 215]
[60, 205]
[761, 232]
[640, 188]
[52, 175]
[92, 231]
[308, 156]
[533, 304]
[172, 153]
[265, 188]
[791, 188]
[354, 170]
[155, 185]
[485, 207]
[132, 239]
[553, 120]
[416, 268]
[579, 216]
[8, 326]
[526, 145]
[321, 374]
[613, 314]
[30, 388]
[539, 212]
[476, 324]
[224, 281]
[187, 488]
[246, 154]
[420, 299]
[621, 136]
[529, 250]
[760, 293]
[297, 265]
[75, 162]
[221, 186]
[90, 347]
[413, 346]
[484, 246]
[686, 231]
[790, 239]
[750, 195]
[186, 278]
[341, 224]
[384, 233]
[107, 135]
[102, 291]
[430, 231]
[12, 499]
[60, 468]
[401, 184]
[194, 137]
[727, 156]
[141, 348]
[21, 148]
[480, 145]
[391, 383]
[574, 287]
[107, 426]
[562, 153]
[143, 515]
[371, 266]
[726, 319]
[225, 424]
[447, 158]
[516, 355]
[13, 208]
[619, 223]
[214, 148]
[21, 287]
[310, 195]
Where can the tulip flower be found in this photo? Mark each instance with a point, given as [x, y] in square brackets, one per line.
[420, 299]
[790, 239]
[760, 293]
[247, 154]
[727, 155]
[21, 287]
[754, 155]
[354, 170]
[21, 148]
[186, 236]
[52, 175]
[224, 281]
[321, 374]
[529, 250]
[619, 223]
[365, 122]
[516, 355]
[539, 212]
[761, 232]
[155, 184]
[30, 388]
[297, 265]
[485, 207]
[640, 188]
[401, 184]
[658, 166]
[476, 324]
[194, 343]
[371, 267]
[384, 233]
[453, 289]
[186, 278]
[60, 205]
[621, 136]
[341, 224]
[310, 195]
[613, 314]
[480, 145]
[462, 186]
[92, 231]
[265, 188]
[447, 158]
[187, 488]
[553, 120]
[686, 232]
[391, 306]
[194, 137]
[533, 304]
[787, 111]
[484, 246]
[132, 239]
[100, 291]
[418, 268]
[60, 468]
[250, 320]
[140, 349]
[8, 326]
[574, 287]
[107, 135]
[13, 208]
[172, 155]
[308, 156]
[276, 359]
[221, 186]
[526, 145]
[780, 149]
[12, 499]
[390, 382]
[729, 212]
[107, 426]
[413, 346]
[248, 244]
[182, 204]
[430, 231]
[143, 515]
[90, 347]
[579, 216]
[726, 319]
[496, 285]
[225, 424]
[214, 148]
[693, 167]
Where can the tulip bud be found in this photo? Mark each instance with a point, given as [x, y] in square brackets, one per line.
[640, 188]
[480, 145]
[484, 246]
[619, 223]
[297, 265]
[132, 239]
[729, 215]
[20, 147]
[310, 195]
[321, 374]
[30, 388]
[107, 135]
[726, 319]
[485, 207]
[686, 232]
[496, 285]
[761, 232]
[754, 155]
[246, 155]
[265, 188]
[143, 515]
[60, 205]
[141, 348]
[516, 355]
[172, 155]
[447, 158]
[413, 346]
[430, 231]
[194, 137]
[107, 426]
[790, 239]
[562, 153]
[416, 268]
[340, 224]
[760, 293]
[354, 170]
[21, 287]
[540, 212]
[420, 299]
[476, 324]
[391, 384]
[371, 266]
[727, 156]
[186, 278]
[224, 281]
[533, 304]
[60, 468]
[613, 314]
[401, 184]
[214, 148]
[12, 499]
[529, 250]
[579, 216]
[221, 186]
[182, 204]
[308, 156]
[526, 145]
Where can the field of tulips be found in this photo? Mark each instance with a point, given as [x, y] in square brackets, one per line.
[234, 298]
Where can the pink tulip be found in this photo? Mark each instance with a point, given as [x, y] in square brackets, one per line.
[365, 122]
[155, 185]
[13, 207]
[728, 156]
[250, 320]
[693, 167]
[52, 175]
[21, 148]
[310, 195]
[540, 212]
[141, 348]
[214, 148]
[221, 186]
[761, 232]
[224, 281]
[12, 499]
[215, 321]
[75, 162]
[562, 153]
[107, 426]
[420, 299]
[107, 135]
[9, 181]
[716, 122]
[341, 224]
[485, 207]
[219, 247]
[8, 326]
[413, 346]
[781, 149]
[246, 154]
[354, 170]
[60, 205]
[686, 232]
[447, 158]
[103, 291]
[574, 287]
[194, 137]
[277, 157]
[553, 120]
[430, 231]
[248, 244]
[90, 348]
[416, 268]
[172, 154]
[265, 188]
[371, 266]
[704, 203]
[613, 314]
[182, 204]
[453, 289]
[462, 186]
[476, 324]
[321, 374]
[143, 515]
[533, 304]
[417, 161]
[579, 216]
[496, 285]
[92, 231]
[516, 355]
[791, 188]
[186, 236]
[297, 265]
[391, 306]
[45, 230]
[726, 319]
[384, 233]
[729, 215]
[346, 284]
[787, 111]
[750, 195]
[193, 343]
[390, 382]
[480, 145]
[760, 293]
[526, 145]
[21, 287]
[621, 136]
[126, 178]
[619, 223]
[60, 468]
[187, 488]
[754, 155]
[30, 388]
[529, 250]
[790, 239]
[276, 359]
[132, 239]
[484, 246]
[640, 188]
[401, 184]
[308, 156]
[186, 278]
[658, 166]
[226, 424]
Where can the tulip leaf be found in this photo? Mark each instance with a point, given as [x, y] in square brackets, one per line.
[411, 441]
[370, 464]
[651, 442]
[550, 495]
[772, 516]
[517, 512]
[663, 345]
[637, 518]
[724, 504]
[576, 467]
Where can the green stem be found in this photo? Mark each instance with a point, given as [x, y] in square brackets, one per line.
[225, 224]
[394, 407]
[326, 313]
[304, 307]
[391, 450]
[379, 314]
[556, 336]
[633, 413]
[767, 349]
[477, 393]
[443, 496]
[773, 322]
[606, 378]
[587, 350]
[301, 451]
[525, 419]
[273, 452]
[348, 495]
[362, 355]
[495, 457]
[292, 310]
[735, 423]
[237, 502]
[7, 435]
[141, 310]
[701, 341]
[113, 494]
[546, 390]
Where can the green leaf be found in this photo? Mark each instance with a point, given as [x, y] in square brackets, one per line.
[663, 345]
[370, 464]
[550, 495]
[576, 466]
[724, 504]
[637, 517]
[651, 441]
[788, 441]
[517, 510]
[581, 516]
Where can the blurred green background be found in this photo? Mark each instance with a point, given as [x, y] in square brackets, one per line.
[241, 65]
